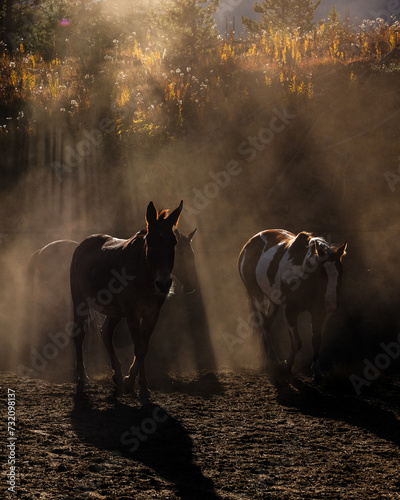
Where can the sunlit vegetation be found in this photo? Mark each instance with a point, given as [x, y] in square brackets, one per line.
[106, 105]
[153, 93]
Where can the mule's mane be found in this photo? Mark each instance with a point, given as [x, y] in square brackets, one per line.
[163, 214]
[136, 236]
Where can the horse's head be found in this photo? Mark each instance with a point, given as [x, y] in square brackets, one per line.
[328, 260]
[185, 269]
[160, 244]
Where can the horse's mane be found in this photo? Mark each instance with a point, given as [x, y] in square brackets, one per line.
[324, 245]
[320, 240]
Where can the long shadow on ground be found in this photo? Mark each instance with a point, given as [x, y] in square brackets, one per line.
[146, 434]
[377, 414]
[205, 385]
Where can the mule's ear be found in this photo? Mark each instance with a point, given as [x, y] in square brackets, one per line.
[191, 235]
[173, 217]
[341, 251]
[151, 214]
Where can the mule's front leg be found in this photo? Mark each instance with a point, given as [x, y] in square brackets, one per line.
[148, 325]
[134, 325]
[107, 331]
[141, 334]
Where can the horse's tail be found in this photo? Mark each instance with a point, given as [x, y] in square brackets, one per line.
[263, 315]
[27, 324]
[32, 265]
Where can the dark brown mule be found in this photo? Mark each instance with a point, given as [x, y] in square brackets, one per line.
[49, 301]
[124, 278]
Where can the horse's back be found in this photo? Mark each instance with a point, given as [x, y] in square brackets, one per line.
[53, 260]
[262, 246]
[98, 258]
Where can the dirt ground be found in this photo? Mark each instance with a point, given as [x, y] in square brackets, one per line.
[205, 435]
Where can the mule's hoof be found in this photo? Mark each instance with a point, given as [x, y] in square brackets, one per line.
[285, 367]
[82, 380]
[129, 386]
[144, 396]
[318, 375]
[119, 383]
[318, 378]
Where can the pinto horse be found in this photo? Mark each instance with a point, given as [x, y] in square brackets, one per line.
[296, 273]
[124, 278]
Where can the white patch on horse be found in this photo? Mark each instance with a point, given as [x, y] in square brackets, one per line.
[271, 290]
[331, 289]
[288, 273]
[264, 238]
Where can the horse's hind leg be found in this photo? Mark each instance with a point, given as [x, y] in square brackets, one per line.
[265, 319]
[107, 331]
[291, 321]
[79, 335]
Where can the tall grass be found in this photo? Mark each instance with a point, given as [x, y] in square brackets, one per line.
[153, 97]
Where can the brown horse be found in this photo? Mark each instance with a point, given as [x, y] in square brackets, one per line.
[47, 297]
[124, 278]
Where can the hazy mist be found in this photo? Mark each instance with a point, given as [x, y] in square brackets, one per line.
[324, 171]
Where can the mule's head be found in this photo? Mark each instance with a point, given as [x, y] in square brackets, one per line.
[160, 244]
[185, 268]
[328, 260]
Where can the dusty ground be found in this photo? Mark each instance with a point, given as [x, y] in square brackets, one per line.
[205, 435]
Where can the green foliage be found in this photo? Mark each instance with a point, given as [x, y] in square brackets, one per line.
[282, 15]
[185, 26]
[334, 16]
[60, 28]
